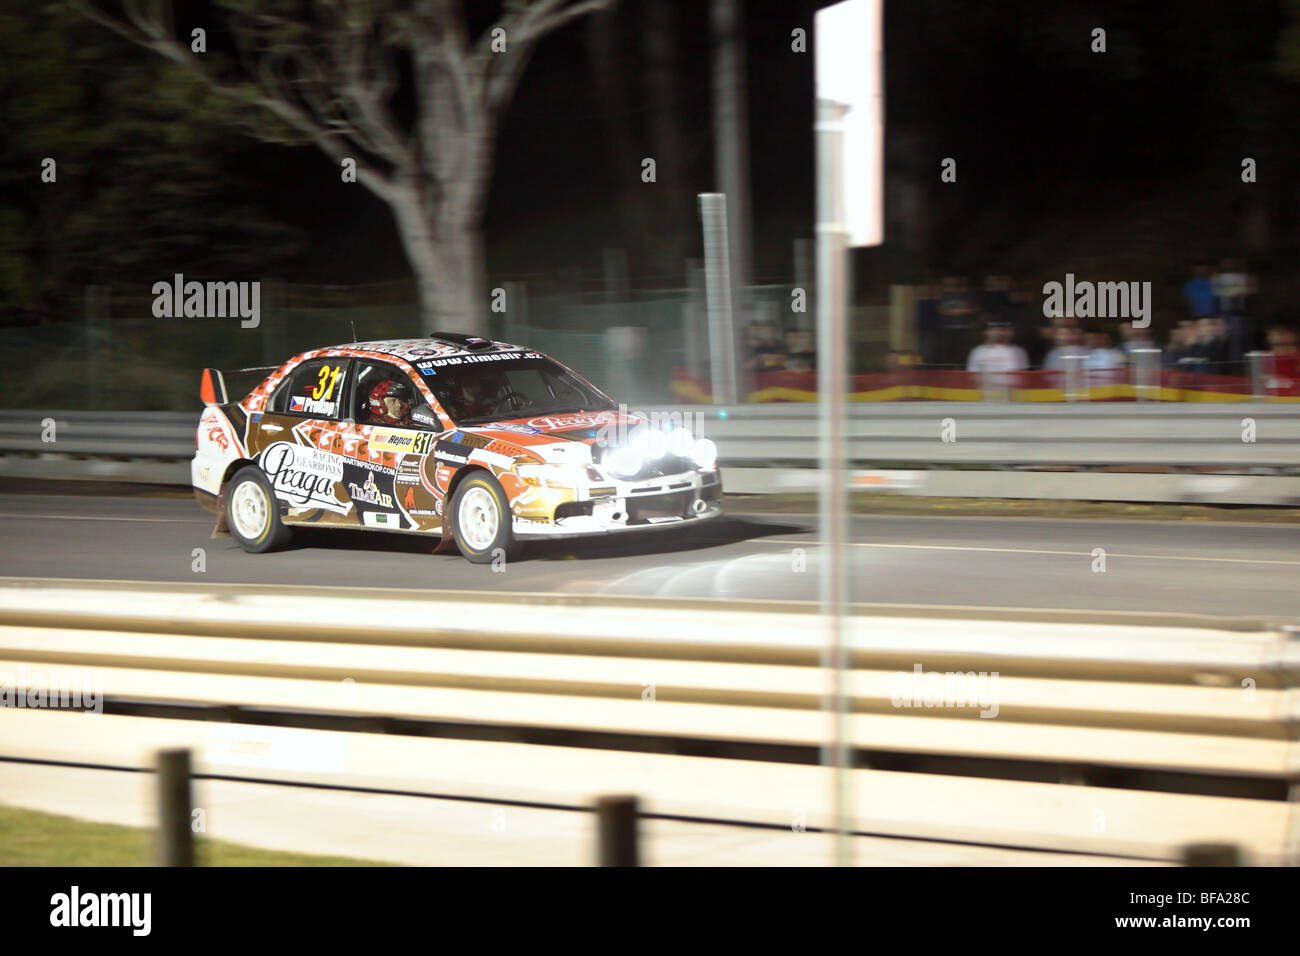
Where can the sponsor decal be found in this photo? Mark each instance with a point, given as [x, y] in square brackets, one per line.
[383, 439]
[483, 456]
[408, 471]
[369, 493]
[409, 501]
[379, 469]
[452, 451]
[305, 477]
[469, 359]
[503, 447]
[216, 433]
[425, 511]
[381, 519]
[548, 422]
[441, 476]
[515, 429]
[312, 406]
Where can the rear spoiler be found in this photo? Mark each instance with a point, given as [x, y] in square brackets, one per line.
[212, 388]
[212, 384]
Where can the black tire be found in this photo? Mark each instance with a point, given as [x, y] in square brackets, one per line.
[480, 547]
[249, 490]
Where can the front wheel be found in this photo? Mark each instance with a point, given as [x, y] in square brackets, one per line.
[481, 520]
[252, 514]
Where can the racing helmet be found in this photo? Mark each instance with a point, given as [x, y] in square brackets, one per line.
[390, 388]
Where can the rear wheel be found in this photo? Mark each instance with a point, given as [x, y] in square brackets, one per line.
[481, 520]
[252, 514]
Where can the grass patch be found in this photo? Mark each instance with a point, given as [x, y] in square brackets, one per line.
[32, 838]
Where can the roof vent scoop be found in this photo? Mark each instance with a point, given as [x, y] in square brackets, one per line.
[471, 342]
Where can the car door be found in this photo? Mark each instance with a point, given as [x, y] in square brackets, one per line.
[388, 472]
[299, 442]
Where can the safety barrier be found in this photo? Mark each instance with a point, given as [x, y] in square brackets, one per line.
[775, 447]
[1119, 735]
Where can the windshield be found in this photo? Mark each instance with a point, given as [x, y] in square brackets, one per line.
[474, 389]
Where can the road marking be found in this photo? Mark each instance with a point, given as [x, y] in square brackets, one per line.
[867, 516]
[41, 517]
[1075, 554]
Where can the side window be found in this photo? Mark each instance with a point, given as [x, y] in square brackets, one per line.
[385, 395]
[315, 389]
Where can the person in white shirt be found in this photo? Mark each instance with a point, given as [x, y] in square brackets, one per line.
[1102, 354]
[1069, 341]
[998, 353]
[1132, 338]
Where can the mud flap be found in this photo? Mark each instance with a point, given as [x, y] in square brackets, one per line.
[220, 529]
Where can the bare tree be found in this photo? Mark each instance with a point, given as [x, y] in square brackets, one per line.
[326, 72]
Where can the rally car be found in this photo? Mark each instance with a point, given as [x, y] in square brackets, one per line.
[478, 442]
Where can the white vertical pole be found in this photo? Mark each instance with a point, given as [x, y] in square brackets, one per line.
[717, 287]
[832, 387]
[850, 178]
[731, 143]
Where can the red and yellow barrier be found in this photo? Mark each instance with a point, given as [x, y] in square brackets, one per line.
[959, 386]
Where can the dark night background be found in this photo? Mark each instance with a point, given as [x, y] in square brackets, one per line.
[1124, 164]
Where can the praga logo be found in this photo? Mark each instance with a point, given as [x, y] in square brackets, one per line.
[304, 477]
[370, 493]
[573, 421]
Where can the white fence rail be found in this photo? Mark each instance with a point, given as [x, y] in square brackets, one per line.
[935, 448]
[965, 727]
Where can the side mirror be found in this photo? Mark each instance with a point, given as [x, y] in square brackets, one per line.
[422, 414]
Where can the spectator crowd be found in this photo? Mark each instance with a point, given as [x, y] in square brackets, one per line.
[999, 327]
[1215, 334]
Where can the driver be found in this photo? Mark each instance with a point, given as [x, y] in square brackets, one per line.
[390, 403]
[477, 397]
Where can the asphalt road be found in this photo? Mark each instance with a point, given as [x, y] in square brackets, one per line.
[1227, 569]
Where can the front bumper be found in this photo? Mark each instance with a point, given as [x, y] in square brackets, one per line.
[624, 506]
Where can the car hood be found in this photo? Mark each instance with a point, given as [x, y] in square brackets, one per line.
[565, 438]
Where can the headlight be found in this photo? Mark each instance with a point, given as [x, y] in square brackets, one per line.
[651, 443]
[681, 442]
[704, 453]
[623, 462]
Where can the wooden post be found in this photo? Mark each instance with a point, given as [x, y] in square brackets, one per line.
[175, 843]
[616, 819]
[1212, 854]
